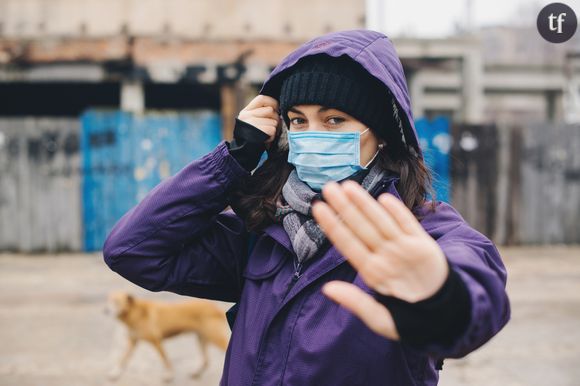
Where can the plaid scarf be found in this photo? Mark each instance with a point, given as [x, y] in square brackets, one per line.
[294, 210]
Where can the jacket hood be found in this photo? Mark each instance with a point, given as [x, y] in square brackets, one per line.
[374, 51]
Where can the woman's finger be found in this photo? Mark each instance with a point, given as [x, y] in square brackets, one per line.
[351, 247]
[400, 213]
[259, 121]
[375, 212]
[352, 216]
[262, 112]
[376, 316]
[262, 100]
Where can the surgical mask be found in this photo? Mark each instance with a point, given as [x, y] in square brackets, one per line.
[321, 156]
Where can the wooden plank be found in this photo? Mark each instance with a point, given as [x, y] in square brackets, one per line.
[474, 173]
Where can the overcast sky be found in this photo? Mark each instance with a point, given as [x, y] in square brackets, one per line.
[439, 18]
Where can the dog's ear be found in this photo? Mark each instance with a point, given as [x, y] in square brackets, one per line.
[130, 299]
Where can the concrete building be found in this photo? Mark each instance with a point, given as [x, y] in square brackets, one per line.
[92, 90]
[200, 61]
[159, 54]
[499, 74]
[150, 50]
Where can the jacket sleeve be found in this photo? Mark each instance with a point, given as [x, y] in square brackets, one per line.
[179, 238]
[478, 263]
[248, 144]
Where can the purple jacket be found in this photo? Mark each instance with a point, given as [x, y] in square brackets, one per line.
[181, 239]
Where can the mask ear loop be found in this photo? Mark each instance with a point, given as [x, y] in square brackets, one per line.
[372, 159]
[381, 145]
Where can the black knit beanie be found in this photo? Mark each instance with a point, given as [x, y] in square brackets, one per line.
[343, 84]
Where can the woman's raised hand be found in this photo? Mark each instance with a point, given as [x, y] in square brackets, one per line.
[388, 247]
[262, 112]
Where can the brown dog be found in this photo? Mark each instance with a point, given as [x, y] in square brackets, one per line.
[154, 321]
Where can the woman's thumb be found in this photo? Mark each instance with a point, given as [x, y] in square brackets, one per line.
[376, 316]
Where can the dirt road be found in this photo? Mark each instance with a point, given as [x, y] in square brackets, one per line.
[54, 331]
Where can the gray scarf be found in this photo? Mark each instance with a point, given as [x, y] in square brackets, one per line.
[294, 210]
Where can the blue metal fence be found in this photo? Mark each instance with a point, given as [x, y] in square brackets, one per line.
[126, 155]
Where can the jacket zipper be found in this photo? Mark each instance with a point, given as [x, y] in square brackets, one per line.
[295, 275]
[297, 268]
[298, 265]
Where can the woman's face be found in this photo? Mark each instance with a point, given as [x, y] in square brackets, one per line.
[320, 118]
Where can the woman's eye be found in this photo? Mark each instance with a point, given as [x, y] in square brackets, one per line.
[296, 121]
[335, 120]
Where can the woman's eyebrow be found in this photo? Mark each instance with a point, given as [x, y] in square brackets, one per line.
[295, 110]
[320, 110]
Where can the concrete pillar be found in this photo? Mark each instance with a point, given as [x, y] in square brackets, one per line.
[472, 86]
[132, 96]
[571, 100]
[551, 105]
[417, 90]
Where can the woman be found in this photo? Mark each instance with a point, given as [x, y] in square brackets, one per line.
[361, 282]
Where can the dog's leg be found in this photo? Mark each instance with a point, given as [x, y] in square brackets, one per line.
[218, 337]
[203, 346]
[168, 376]
[116, 371]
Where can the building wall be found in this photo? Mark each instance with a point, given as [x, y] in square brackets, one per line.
[194, 19]
[39, 184]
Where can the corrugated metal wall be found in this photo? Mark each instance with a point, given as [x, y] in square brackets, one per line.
[39, 185]
[436, 145]
[64, 183]
[125, 156]
[550, 184]
[519, 185]
[474, 169]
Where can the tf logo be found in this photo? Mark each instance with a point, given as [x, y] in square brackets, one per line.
[557, 22]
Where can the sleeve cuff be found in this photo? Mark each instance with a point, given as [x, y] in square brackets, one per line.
[439, 319]
[229, 170]
[248, 144]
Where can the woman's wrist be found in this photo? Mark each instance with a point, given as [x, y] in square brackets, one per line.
[248, 144]
[438, 319]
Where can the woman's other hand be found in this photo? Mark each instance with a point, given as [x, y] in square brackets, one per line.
[262, 112]
[388, 247]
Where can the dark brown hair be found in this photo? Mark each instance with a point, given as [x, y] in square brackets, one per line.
[255, 200]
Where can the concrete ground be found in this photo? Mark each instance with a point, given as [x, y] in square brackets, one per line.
[53, 331]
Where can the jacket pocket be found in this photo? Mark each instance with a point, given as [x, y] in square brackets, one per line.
[266, 259]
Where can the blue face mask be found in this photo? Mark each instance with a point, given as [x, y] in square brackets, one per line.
[322, 156]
